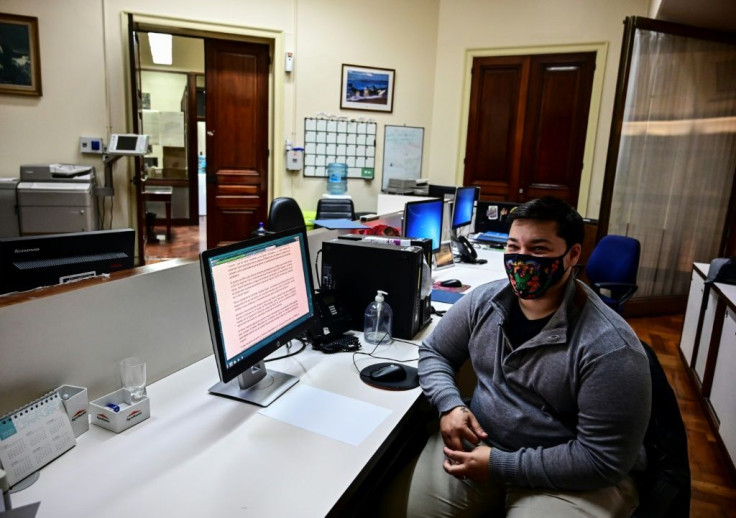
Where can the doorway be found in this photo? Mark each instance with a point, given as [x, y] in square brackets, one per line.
[173, 115]
[189, 199]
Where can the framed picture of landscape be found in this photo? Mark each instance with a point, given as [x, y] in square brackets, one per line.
[367, 88]
[20, 65]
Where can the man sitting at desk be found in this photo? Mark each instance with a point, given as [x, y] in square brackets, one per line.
[558, 415]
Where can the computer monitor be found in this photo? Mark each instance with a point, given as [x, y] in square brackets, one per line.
[493, 216]
[441, 191]
[462, 206]
[34, 261]
[258, 296]
[423, 218]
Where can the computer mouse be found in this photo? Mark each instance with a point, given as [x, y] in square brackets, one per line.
[390, 372]
[451, 283]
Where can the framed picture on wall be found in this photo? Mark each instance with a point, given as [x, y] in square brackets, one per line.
[20, 65]
[367, 88]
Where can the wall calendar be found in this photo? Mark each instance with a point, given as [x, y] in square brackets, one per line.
[339, 140]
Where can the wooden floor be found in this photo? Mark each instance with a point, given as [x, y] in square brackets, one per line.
[713, 488]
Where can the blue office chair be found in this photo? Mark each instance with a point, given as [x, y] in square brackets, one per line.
[284, 214]
[612, 269]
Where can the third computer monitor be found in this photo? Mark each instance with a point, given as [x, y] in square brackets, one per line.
[462, 206]
[423, 218]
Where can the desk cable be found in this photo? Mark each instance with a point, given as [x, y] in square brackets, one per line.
[381, 342]
[288, 346]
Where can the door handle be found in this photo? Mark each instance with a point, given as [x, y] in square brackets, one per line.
[521, 191]
[210, 133]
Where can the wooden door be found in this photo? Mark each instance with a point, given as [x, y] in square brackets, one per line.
[237, 139]
[527, 124]
[558, 102]
[495, 125]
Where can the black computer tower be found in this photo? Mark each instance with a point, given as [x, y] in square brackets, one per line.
[355, 270]
[423, 242]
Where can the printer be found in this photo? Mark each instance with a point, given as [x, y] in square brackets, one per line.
[56, 198]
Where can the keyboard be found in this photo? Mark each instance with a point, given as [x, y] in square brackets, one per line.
[492, 237]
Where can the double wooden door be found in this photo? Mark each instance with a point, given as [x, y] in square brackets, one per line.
[527, 125]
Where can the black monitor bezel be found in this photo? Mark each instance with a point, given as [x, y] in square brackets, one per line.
[423, 202]
[453, 224]
[226, 373]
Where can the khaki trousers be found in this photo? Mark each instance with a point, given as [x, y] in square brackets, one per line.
[425, 490]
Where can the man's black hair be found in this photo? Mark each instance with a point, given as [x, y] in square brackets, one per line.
[549, 208]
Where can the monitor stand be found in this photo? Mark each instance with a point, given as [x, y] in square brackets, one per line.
[256, 385]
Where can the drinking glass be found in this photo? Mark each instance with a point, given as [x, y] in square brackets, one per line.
[133, 375]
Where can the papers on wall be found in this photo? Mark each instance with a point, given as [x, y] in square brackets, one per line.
[171, 126]
[164, 128]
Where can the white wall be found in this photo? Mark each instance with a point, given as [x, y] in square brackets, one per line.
[47, 129]
[400, 35]
[85, 83]
[496, 24]
[425, 41]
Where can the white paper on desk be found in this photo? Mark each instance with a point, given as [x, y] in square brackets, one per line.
[326, 413]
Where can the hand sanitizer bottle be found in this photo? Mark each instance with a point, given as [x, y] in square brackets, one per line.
[378, 321]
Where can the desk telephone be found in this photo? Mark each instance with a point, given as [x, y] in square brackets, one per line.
[467, 252]
[333, 320]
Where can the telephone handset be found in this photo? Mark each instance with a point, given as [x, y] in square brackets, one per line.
[333, 318]
[467, 252]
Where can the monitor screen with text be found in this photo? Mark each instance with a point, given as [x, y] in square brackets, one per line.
[258, 292]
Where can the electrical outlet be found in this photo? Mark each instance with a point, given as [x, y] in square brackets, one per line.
[91, 145]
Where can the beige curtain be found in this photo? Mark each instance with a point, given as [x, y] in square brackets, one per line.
[677, 156]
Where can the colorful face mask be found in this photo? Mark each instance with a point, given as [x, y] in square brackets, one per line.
[531, 276]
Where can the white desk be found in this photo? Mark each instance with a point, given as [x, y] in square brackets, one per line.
[475, 274]
[204, 455]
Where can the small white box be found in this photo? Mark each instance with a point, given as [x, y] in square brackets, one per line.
[75, 402]
[128, 413]
[295, 159]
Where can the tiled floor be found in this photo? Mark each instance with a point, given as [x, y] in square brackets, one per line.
[186, 242]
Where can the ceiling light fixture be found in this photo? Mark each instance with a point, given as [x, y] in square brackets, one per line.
[160, 48]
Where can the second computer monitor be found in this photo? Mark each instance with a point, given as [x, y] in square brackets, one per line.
[423, 218]
[462, 206]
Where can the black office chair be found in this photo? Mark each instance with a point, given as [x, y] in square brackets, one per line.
[335, 208]
[612, 268]
[665, 486]
[284, 214]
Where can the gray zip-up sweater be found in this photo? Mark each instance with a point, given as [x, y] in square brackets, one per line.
[567, 410]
